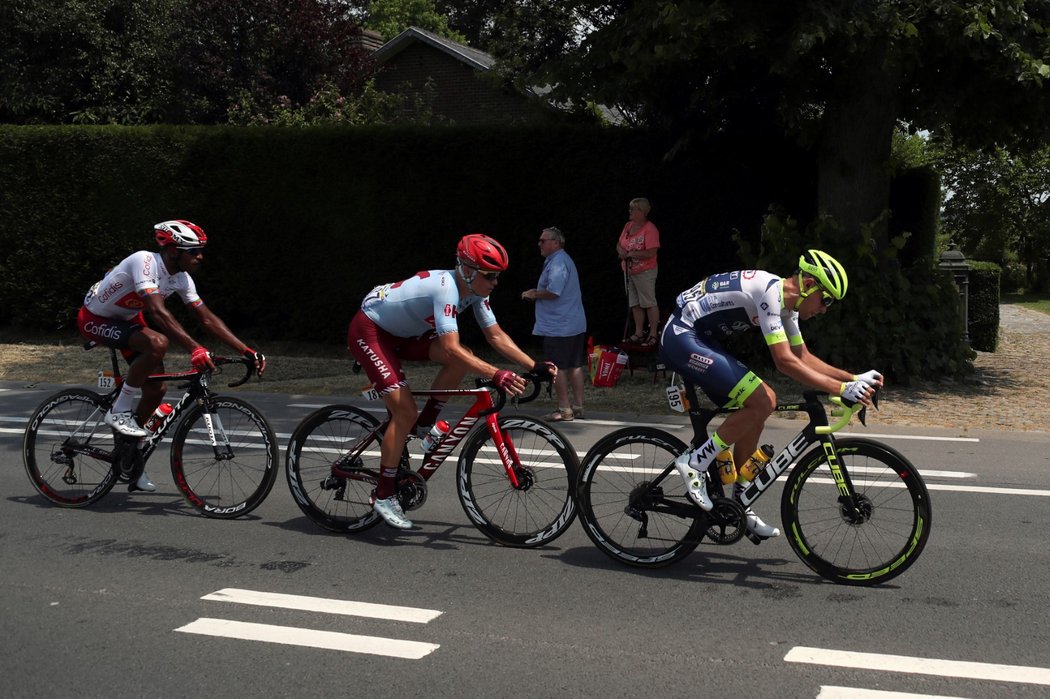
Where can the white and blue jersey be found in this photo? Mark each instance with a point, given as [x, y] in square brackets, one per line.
[718, 307]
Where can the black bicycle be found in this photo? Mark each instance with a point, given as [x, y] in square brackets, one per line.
[223, 450]
[855, 511]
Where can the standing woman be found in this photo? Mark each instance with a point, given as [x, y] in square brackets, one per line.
[637, 249]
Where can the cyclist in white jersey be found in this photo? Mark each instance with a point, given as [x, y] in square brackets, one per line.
[726, 304]
[112, 315]
[417, 319]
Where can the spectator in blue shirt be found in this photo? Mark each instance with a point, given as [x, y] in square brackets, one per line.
[561, 322]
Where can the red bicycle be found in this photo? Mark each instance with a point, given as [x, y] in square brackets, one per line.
[515, 475]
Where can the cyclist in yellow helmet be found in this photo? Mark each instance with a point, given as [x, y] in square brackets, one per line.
[733, 302]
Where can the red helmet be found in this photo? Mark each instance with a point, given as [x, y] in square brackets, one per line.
[181, 234]
[482, 252]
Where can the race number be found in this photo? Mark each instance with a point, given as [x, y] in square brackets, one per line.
[370, 393]
[106, 382]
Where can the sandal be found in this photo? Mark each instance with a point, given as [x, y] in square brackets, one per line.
[650, 341]
[633, 339]
[577, 412]
[560, 415]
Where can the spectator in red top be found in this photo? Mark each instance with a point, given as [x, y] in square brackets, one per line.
[637, 247]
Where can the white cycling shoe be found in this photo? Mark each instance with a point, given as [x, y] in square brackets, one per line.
[695, 481]
[144, 483]
[125, 424]
[755, 525]
[390, 510]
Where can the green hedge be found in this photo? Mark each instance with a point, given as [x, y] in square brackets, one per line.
[983, 309]
[303, 222]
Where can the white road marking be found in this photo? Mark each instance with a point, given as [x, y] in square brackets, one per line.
[828, 692]
[920, 666]
[328, 640]
[325, 606]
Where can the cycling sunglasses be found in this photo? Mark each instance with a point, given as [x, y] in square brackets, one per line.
[487, 276]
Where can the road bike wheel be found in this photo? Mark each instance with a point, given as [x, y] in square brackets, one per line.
[233, 477]
[541, 508]
[894, 514]
[66, 477]
[322, 438]
[624, 512]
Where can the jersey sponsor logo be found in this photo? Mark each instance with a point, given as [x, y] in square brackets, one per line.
[104, 331]
[377, 361]
[450, 311]
[694, 356]
[107, 293]
[147, 265]
[678, 329]
[749, 274]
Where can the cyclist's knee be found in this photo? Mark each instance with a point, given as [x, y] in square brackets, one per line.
[762, 401]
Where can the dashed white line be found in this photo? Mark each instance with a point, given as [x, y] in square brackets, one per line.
[309, 638]
[855, 693]
[323, 605]
[920, 666]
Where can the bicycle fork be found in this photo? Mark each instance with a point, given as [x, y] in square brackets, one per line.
[508, 455]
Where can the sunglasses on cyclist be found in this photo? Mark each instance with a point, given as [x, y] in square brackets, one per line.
[193, 251]
[825, 297]
[488, 276]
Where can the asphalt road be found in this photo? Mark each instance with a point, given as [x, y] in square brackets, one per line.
[139, 596]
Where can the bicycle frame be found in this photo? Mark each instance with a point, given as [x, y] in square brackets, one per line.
[483, 407]
[818, 430]
[197, 390]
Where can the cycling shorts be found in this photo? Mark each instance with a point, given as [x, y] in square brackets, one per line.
[111, 332]
[704, 362]
[380, 353]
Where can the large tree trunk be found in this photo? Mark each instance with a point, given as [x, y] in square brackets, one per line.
[853, 180]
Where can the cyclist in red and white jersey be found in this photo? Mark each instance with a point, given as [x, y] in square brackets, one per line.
[417, 319]
[726, 304]
[112, 315]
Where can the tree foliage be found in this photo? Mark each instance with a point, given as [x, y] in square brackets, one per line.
[999, 210]
[391, 17]
[837, 75]
[170, 61]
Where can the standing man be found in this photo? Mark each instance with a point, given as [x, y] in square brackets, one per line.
[561, 322]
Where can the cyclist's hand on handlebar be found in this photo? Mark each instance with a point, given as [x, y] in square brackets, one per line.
[507, 380]
[545, 371]
[257, 358]
[857, 392]
[870, 377]
[200, 359]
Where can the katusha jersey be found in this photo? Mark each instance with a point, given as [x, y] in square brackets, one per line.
[730, 303]
[119, 293]
[428, 301]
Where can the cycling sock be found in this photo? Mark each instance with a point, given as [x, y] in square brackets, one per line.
[430, 411]
[123, 402]
[387, 483]
[703, 455]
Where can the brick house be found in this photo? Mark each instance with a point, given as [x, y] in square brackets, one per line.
[462, 89]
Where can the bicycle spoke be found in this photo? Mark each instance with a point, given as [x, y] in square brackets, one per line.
[232, 475]
[65, 448]
[541, 507]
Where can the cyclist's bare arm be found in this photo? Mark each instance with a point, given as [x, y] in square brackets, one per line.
[154, 305]
[456, 354]
[215, 327]
[508, 349]
[803, 367]
[814, 362]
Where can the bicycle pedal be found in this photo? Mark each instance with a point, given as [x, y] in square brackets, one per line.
[754, 538]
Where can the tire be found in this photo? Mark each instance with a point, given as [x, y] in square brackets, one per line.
[617, 469]
[235, 482]
[888, 489]
[319, 440]
[65, 478]
[542, 507]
